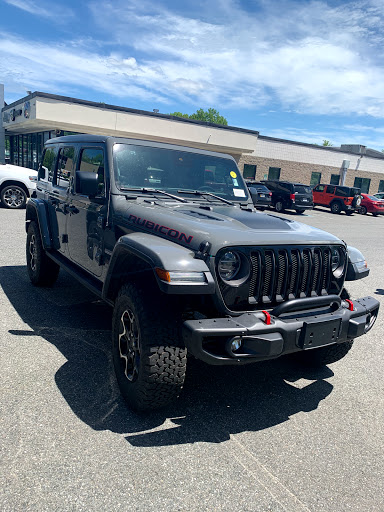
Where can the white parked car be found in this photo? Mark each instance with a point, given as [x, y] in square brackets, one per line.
[16, 185]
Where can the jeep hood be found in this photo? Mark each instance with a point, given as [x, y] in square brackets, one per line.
[222, 226]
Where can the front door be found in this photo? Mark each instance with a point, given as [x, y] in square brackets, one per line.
[58, 195]
[86, 219]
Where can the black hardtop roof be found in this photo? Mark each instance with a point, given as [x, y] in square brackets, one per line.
[333, 185]
[112, 139]
[284, 181]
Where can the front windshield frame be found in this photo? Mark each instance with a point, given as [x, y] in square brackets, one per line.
[137, 167]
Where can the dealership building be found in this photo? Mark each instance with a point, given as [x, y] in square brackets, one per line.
[27, 123]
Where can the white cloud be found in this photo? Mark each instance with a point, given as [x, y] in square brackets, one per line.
[308, 57]
[50, 10]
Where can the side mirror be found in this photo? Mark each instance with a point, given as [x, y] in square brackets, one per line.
[42, 173]
[87, 183]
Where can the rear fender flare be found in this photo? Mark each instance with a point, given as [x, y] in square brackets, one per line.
[37, 210]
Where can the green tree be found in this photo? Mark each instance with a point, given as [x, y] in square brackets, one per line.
[211, 116]
[327, 143]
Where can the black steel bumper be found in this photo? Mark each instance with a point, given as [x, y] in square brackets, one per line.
[301, 324]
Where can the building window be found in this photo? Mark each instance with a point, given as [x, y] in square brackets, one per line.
[7, 149]
[381, 186]
[249, 172]
[335, 179]
[363, 184]
[315, 178]
[274, 173]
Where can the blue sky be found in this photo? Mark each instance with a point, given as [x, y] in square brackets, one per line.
[304, 70]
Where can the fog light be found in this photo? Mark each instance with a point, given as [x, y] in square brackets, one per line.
[235, 344]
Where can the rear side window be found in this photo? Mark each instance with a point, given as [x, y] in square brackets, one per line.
[92, 160]
[47, 167]
[302, 189]
[65, 165]
[343, 192]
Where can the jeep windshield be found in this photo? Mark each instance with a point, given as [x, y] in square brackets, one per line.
[197, 175]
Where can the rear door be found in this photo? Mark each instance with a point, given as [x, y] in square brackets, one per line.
[329, 194]
[86, 219]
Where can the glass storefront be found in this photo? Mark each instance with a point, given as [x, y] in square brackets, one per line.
[26, 150]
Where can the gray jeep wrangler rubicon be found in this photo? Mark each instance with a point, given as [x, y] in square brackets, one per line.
[169, 237]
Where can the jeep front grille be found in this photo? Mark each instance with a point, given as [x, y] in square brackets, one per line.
[280, 274]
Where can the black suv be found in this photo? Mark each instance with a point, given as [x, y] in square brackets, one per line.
[168, 236]
[260, 194]
[287, 195]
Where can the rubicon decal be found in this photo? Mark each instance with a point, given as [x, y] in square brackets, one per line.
[159, 228]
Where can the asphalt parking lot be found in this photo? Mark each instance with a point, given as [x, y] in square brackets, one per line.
[270, 437]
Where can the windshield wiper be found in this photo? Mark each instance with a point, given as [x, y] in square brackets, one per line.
[199, 193]
[153, 190]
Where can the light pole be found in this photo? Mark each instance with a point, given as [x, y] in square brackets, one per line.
[343, 171]
[2, 129]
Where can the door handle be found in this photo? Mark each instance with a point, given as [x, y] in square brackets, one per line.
[69, 208]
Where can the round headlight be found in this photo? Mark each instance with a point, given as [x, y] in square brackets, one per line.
[229, 265]
[336, 259]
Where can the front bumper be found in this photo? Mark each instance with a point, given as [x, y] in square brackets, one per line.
[325, 323]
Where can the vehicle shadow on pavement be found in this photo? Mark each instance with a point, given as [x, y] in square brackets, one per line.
[216, 401]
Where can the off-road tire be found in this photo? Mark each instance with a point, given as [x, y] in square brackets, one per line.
[279, 207]
[335, 207]
[42, 270]
[363, 210]
[13, 197]
[146, 329]
[325, 355]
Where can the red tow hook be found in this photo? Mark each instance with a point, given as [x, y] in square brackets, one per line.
[350, 304]
[267, 319]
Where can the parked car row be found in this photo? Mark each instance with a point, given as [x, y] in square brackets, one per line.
[285, 195]
[18, 183]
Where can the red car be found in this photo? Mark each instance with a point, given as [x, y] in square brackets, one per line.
[371, 204]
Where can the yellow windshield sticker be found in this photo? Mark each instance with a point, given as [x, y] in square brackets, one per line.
[233, 174]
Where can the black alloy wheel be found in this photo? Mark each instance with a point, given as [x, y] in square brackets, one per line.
[279, 207]
[335, 207]
[149, 356]
[363, 210]
[42, 270]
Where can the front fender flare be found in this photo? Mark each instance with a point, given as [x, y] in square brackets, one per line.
[157, 252]
[357, 266]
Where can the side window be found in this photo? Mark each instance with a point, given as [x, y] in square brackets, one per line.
[92, 160]
[340, 191]
[320, 188]
[330, 189]
[47, 166]
[64, 167]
